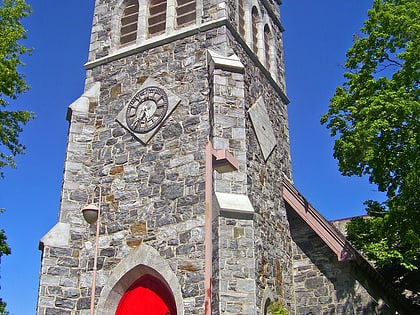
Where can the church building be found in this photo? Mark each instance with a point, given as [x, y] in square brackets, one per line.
[179, 151]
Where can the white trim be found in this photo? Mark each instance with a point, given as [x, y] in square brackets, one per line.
[217, 61]
[58, 236]
[227, 203]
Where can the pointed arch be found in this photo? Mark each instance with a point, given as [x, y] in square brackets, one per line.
[267, 298]
[254, 26]
[143, 260]
[267, 46]
[129, 21]
[241, 18]
[147, 296]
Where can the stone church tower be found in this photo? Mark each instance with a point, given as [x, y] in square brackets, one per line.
[181, 141]
[173, 89]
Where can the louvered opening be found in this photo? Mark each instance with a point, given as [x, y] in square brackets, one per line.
[254, 30]
[241, 18]
[157, 17]
[128, 33]
[267, 40]
[185, 12]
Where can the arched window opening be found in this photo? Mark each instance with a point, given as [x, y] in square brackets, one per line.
[128, 33]
[267, 41]
[254, 30]
[185, 12]
[241, 18]
[157, 17]
[147, 296]
[266, 305]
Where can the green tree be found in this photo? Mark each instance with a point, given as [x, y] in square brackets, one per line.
[12, 81]
[375, 120]
[4, 250]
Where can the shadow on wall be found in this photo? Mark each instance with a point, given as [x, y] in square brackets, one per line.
[323, 285]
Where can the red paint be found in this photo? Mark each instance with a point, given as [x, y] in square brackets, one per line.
[147, 296]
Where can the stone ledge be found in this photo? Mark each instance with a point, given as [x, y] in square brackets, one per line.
[232, 205]
[82, 103]
[230, 63]
[58, 236]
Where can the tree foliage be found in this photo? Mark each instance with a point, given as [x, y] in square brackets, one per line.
[276, 308]
[12, 81]
[375, 119]
[4, 250]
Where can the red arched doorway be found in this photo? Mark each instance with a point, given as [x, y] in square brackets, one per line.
[147, 296]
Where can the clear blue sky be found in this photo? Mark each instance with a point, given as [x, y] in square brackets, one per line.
[318, 33]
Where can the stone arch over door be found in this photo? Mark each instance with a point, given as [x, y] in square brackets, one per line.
[142, 261]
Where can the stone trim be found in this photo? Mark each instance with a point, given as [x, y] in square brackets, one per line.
[155, 41]
[185, 32]
[263, 127]
[234, 256]
[232, 205]
[81, 105]
[217, 61]
[58, 236]
[142, 260]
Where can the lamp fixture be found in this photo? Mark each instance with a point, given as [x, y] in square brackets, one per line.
[92, 213]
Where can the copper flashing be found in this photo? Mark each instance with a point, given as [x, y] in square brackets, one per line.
[334, 239]
[224, 161]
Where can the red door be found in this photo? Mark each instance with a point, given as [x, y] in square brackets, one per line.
[147, 296]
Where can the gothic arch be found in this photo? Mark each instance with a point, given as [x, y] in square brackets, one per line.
[129, 22]
[255, 19]
[144, 260]
[241, 18]
[148, 295]
[116, 23]
[267, 46]
[268, 296]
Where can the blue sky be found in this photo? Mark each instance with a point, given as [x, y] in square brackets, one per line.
[318, 33]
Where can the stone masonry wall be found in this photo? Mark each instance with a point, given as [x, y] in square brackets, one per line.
[272, 246]
[322, 284]
[233, 240]
[153, 194]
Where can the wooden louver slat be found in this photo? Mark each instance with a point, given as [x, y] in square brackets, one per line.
[241, 16]
[128, 32]
[254, 30]
[157, 17]
[185, 12]
[267, 39]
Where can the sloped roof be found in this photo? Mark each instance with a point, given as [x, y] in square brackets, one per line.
[328, 233]
[337, 242]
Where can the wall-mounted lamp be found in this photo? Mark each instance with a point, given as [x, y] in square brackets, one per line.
[92, 213]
